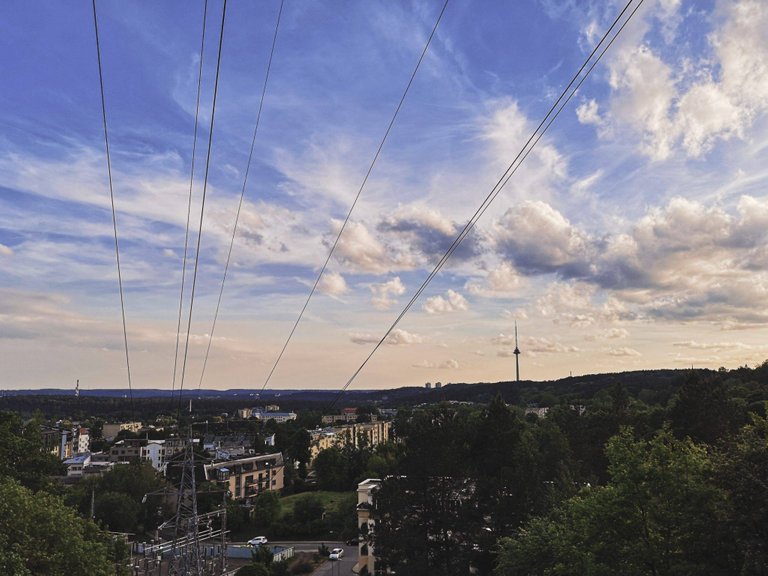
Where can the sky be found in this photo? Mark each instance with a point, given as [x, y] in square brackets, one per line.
[634, 236]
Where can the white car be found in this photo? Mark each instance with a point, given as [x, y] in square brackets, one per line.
[336, 554]
[258, 541]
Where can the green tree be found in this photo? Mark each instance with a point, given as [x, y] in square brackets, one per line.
[307, 508]
[704, 410]
[331, 470]
[742, 472]
[22, 456]
[40, 535]
[255, 569]
[266, 508]
[118, 511]
[659, 515]
[424, 525]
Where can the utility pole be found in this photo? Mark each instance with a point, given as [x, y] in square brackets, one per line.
[185, 551]
[187, 530]
[517, 357]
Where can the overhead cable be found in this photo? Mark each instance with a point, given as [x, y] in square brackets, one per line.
[112, 203]
[357, 196]
[189, 200]
[202, 203]
[242, 195]
[534, 138]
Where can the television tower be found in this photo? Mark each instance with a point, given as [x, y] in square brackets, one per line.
[517, 356]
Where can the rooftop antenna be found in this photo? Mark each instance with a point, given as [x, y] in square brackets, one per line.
[517, 356]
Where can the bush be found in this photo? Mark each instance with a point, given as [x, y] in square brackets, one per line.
[302, 567]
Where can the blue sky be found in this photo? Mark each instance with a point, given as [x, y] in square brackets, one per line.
[634, 236]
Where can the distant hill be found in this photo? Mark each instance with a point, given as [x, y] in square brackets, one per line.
[653, 385]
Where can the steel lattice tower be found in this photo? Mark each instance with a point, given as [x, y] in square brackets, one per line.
[185, 553]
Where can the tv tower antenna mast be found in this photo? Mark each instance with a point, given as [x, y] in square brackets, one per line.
[517, 357]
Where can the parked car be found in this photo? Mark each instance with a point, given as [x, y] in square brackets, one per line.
[352, 542]
[258, 541]
[336, 554]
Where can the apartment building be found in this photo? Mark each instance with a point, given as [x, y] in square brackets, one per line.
[109, 431]
[248, 477]
[368, 433]
[365, 524]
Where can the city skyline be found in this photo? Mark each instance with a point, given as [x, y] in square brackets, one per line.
[635, 236]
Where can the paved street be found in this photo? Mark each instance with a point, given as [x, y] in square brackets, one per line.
[341, 567]
[329, 568]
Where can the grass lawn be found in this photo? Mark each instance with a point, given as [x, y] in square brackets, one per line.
[330, 500]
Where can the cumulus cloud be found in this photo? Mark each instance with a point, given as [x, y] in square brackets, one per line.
[623, 352]
[449, 364]
[587, 113]
[397, 337]
[535, 345]
[6, 250]
[452, 302]
[332, 284]
[383, 293]
[681, 260]
[427, 233]
[538, 239]
[707, 99]
[359, 249]
[615, 334]
[502, 281]
[531, 345]
[695, 345]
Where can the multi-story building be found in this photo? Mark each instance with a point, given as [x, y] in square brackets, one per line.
[154, 453]
[365, 525]
[248, 477]
[77, 464]
[127, 450]
[109, 431]
[278, 417]
[83, 440]
[368, 433]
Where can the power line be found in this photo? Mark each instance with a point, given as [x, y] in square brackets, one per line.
[242, 194]
[112, 202]
[357, 196]
[534, 138]
[189, 201]
[202, 204]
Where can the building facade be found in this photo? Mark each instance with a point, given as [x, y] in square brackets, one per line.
[365, 525]
[248, 477]
[367, 433]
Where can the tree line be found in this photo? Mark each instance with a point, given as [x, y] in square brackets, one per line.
[614, 486]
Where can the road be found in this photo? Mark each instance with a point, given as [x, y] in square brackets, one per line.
[341, 567]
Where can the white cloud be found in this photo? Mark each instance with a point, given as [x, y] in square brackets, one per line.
[6, 250]
[397, 337]
[695, 345]
[587, 113]
[539, 239]
[333, 284]
[452, 302]
[449, 364]
[535, 345]
[500, 282]
[696, 102]
[400, 337]
[383, 293]
[623, 352]
[361, 250]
